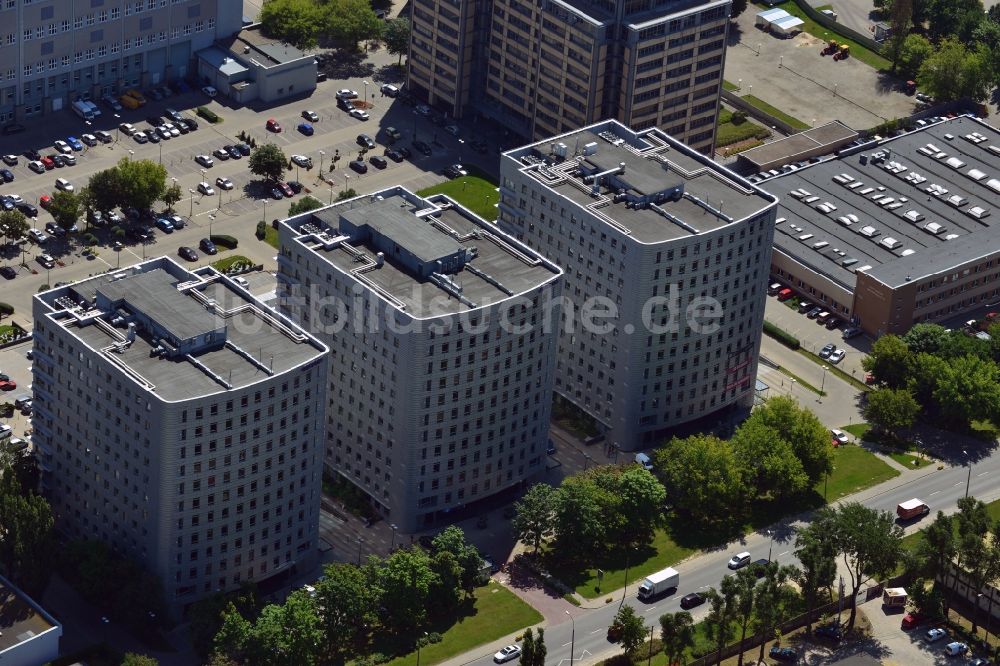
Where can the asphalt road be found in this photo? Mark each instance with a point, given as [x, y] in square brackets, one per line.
[941, 489]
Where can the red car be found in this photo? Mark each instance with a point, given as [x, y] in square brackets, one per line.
[785, 294]
[286, 190]
[8, 385]
[48, 162]
[911, 620]
[45, 201]
[272, 125]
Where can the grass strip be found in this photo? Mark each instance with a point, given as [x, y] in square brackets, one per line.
[473, 191]
[834, 370]
[757, 102]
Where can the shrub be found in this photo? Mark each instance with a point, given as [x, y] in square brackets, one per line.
[228, 242]
[43, 287]
[208, 114]
[261, 230]
[6, 309]
[738, 117]
[781, 336]
[434, 637]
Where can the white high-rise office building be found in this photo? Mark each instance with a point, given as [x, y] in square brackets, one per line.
[660, 232]
[180, 420]
[442, 366]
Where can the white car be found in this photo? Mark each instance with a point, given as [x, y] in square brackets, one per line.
[210, 91]
[89, 139]
[840, 436]
[64, 185]
[205, 188]
[347, 93]
[389, 90]
[69, 160]
[507, 653]
[242, 281]
[36, 166]
[359, 114]
[140, 137]
[302, 160]
[223, 183]
[739, 560]
[46, 261]
[37, 235]
[10, 160]
[935, 634]
[127, 129]
[837, 356]
[163, 132]
[62, 147]
[955, 649]
[205, 161]
[174, 132]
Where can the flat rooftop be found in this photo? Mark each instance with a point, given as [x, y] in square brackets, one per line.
[250, 342]
[265, 50]
[647, 185]
[921, 206]
[19, 621]
[437, 258]
[818, 140]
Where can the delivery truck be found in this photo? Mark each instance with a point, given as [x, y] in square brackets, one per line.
[83, 110]
[912, 508]
[658, 583]
[894, 597]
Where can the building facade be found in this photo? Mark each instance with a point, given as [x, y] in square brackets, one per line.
[181, 422]
[672, 247]
[442, 368]
[546, 68]
[54, 52]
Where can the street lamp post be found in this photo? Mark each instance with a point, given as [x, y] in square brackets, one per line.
[975, 612]
[572, 639]
[191, 208]
[322, 154]
[130, 154]
[393, 544]
[360, 541]
[264, 219]
[420, 642]
[366, 92]
[160, 146]
[624, 587]
[822, 386]
[968, 479]
[649, 661]
[118, 129]
[173, 183]
[220, 199]
[770, 542]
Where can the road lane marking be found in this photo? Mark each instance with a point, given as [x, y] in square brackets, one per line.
[958, 484]
[784, 553]
[982, 474]
[934, 493]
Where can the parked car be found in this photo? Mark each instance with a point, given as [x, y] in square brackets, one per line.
[272, 125]
[36, 166]
[774, 288]
[164, 225]
[46, 260]
[10, 160]
[827, 350]
[140, 137]
[378, 161]
[815, 312]
[831, 631]
[394, 154]
[805, 306]
[935, 634]
[365, 141]
[295, 186]
[7, 175]
[206, 189]
[224, 183]
[205, 161]
[837, 356]
[739, 560]
[244, 149]
[910, 620]
[359, 114]
[62, 146]
[207, 246]
[389, 90]
[851, 332]
[359, 166]
[422, 148]
[782, 653]
[234, 152]
[26, 208]
[311, 116]
[303, 161]
[188, 253]
[7, 272]
[347, 93]
[277, 194]
[455, 171]
[210, 91]
[89, 139]
[955, 649]
[287, 191]
[64, 185]
[221, 153]
[785, 294]
[306, 129]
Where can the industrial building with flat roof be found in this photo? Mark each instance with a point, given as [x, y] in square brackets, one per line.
[897, 233]
[675, 244]
[441, 328]
[28, 635]
[180, 420]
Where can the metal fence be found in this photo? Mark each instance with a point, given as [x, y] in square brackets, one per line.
[763, 116]
[839, 28]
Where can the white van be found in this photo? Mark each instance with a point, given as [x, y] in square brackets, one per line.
[643, 459]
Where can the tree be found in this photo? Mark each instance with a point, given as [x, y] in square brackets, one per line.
[900, 22]
[926, 599]
[926, 370]
[452, 540]
[953, 72]
[13, 225]
[348, 599]
[969, 390]
[676, 635]
[809, 439]
[396, 35]
[737, 8]
[104, 190]
[890, 410]
[234, 638]
[141, 183]
[636, 491]
[65, 208]
[868, 540]
[528, 648]
[206, 615]
[350, 21]
[632, 629]
[443, 595]
[540, 650]
[26, 541]
[925, 338]
[772, 598]
[268, 161]
[406, 579]
[296, 22]
[533, 517]
[703, 477]
[913, 51]
[889, 361]
[745, 583]
[133, 659]
[719, 623]
[172, 195]
[936, 551]
[580, 520]
[769, 464]
[817, 555]
[304, 205]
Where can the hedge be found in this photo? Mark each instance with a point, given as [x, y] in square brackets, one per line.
[6, 309]
[225, 241]
[261, 230]
[208, 114]
[781, 336]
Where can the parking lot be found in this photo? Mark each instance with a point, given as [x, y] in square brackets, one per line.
[791, 75]
[14, 364]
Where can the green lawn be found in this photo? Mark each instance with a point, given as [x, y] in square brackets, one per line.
[473, 191]
[777, 113]
[271, 237]
[8, 333]
[729, 133]
[223, 265]
[909, 460]
[859, 430]
[854, 469]
[497, 612]
[729, 86]
[865, 55]
[984, 430]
